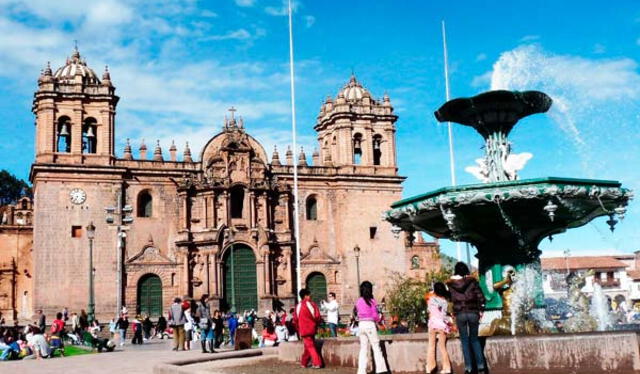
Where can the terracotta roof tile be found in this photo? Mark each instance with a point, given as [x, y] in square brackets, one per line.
[581, 262]
[634, 274]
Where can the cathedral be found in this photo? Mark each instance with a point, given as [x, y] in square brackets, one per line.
[220, 223]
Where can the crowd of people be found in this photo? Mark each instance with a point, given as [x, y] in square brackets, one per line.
[189, 322]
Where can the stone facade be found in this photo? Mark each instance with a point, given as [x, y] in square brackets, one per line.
[190, 218]
[16, 274]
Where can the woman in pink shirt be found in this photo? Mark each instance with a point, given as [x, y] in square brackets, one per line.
[368, 316]
[438, 328]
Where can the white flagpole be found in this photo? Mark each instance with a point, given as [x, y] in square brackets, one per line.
[452, 161]
[296, 221]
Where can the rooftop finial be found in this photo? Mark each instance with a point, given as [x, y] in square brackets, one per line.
[127, 151]
[76, 54]
[187, 154]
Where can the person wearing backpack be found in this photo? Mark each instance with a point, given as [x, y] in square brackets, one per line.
[205, 323]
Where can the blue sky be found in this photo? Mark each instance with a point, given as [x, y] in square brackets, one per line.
[179, 64]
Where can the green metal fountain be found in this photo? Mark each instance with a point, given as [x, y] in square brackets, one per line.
[506, 218]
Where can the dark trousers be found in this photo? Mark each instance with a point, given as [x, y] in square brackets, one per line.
[137, 337]
[468, 327]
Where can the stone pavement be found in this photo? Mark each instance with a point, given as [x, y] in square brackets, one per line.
[130, 359]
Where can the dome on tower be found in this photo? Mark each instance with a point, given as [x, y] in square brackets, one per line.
[76, 70]
[354, 90]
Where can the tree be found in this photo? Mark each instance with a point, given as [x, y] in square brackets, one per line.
[12, 188]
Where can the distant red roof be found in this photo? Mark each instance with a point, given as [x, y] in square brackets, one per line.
[634, 274]
[581, 262]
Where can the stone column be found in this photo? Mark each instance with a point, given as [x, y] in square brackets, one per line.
[214, 209]
[76, 131]
[252, 210]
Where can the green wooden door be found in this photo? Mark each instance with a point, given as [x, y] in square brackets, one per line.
[240, 280]
[317, 285]
[150, 295]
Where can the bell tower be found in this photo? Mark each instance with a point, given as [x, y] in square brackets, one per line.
[75, 114]
[357, 130]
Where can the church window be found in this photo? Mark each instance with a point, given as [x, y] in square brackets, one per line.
[372, 232]
[23, 204]
[63, 133]
[357, 149]
[76, 231]
[377, 149]
[89, 136]
[237, 201]
[145, 204]
[312, 208]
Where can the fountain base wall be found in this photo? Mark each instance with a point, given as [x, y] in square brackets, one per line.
[614, 352]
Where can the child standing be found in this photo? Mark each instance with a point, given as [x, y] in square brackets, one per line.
[438, 328]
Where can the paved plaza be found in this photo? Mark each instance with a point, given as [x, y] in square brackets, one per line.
[130, 359]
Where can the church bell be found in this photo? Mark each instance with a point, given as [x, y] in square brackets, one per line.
[64, 131]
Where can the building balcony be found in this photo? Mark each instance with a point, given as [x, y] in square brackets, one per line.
[607, 283]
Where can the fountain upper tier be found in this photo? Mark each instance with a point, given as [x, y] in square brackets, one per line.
[494, 111]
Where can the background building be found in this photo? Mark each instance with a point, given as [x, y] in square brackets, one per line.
[222, 225]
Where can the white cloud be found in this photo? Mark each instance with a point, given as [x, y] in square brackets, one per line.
[482, 80]
[529, 38]
[245, 3]
[208, 14]
[283, 9]
[481, 57]
[309, 21]
[240, 34]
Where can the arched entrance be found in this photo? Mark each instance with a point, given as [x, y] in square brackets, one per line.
[240, 280]
[150, 295]
[317, 285]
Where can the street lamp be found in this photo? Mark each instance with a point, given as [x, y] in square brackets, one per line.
[91, 234]
[232, 268]
[356, 250]
[121, 216]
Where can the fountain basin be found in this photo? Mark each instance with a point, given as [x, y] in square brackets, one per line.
[507, 220]
[614, 352]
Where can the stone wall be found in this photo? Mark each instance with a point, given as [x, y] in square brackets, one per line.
[597, 352]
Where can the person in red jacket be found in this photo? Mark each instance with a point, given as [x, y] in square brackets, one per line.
[306, 319]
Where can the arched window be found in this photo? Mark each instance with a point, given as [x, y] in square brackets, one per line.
[377, 149]
[89, 136]
[63, 135]
[237, 201]
[357, 148]
[312, 208]
[23, 204]
[145, 204]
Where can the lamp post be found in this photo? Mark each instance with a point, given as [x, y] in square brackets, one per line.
[91, 233]
[232, 269]
[356, 250]
[123, 216]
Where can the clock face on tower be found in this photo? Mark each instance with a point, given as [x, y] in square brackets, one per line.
[77, 196]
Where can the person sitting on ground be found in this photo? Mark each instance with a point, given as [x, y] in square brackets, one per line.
[38, 343]
[269, 337]
[57, 332]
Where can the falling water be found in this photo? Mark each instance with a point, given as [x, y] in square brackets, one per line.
[523, 298]
[600, 308]
[582, 107]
